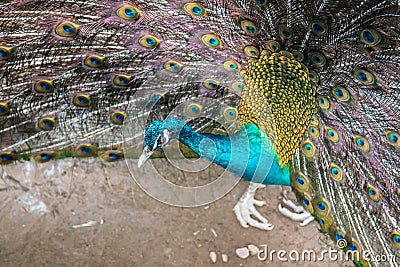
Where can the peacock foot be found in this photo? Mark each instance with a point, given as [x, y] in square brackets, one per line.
[245, 209]
[298, 213]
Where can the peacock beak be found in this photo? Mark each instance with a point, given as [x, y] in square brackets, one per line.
[145, 155]
[162, 140]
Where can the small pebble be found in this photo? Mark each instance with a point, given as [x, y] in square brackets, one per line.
[169, 252]
[224, 257]
[242, 252]
[253, 249]
[214, 233]
[213, 256]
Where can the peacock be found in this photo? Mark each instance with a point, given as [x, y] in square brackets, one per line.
[300, 93]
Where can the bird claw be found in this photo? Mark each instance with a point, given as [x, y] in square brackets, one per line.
[245, 209]
[297, 214]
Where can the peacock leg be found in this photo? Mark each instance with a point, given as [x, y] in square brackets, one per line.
[246, 207]
[298, 213]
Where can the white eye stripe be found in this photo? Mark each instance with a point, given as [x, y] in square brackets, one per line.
[156, 143]
[162, 139]
[166, 136]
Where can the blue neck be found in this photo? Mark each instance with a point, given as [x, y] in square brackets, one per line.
[248, 153]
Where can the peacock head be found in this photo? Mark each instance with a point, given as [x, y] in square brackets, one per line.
[158, 134]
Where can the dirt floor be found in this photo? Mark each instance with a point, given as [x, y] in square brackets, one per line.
[67, 213]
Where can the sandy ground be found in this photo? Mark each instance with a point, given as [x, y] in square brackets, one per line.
[41, 203]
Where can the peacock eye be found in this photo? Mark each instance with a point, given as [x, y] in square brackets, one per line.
[372, 193]
[4, 109]
[86, 150]
[319, 27]
[148, 41]
[194, 9]
[66, 29]
[332, 135]
[173, 66]
[7, 157]
[362, 144]
[43, 86]
[194, 110]
[211, 84]
[364, 76]
[237, 86]
[112, 155]
[261, 2]
[323, 102]
[231, 65]
[313, 131]
[300, 182]
[336, 234]
[395, 239]
[81, 100]
[121, 80]
[230, 114]
[314, 77]
[251, 51]
[273, 45]
[308, 149]
[318, 59]
[341, 93]
[211, 40]
[285, 32]
[249, 27]
[157, 98]
[306, 200]
[393, 138]
[93, 61]
[314, 120]
[46, 124]
[321, 207]
[128, 12]
[44, 156]
[335, 172]
[298, 55]
[339, 236]
[370, 37]
[5, 52]
[118, 117]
